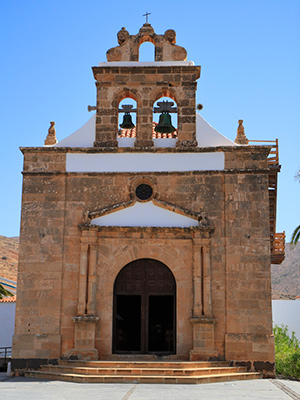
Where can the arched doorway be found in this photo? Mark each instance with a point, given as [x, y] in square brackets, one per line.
[144, 309]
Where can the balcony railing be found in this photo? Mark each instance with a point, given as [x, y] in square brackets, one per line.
[278, 250]
[277, 239]
[273, 158]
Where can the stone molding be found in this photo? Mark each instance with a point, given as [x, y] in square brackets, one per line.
[203, 320]
[263, 150]
[86, 318]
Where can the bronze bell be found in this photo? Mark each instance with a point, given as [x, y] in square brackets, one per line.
[165, 124]
[127, 122]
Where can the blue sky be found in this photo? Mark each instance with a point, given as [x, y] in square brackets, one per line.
[248, 50]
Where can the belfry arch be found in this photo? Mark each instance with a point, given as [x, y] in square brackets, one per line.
[144, 310]
[147, 51]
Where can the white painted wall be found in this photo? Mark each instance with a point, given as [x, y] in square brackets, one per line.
[83, 137]
[144, 162]
[207, 136]
[7, 323]
[168, 142]
[145, 214]
[287, 312]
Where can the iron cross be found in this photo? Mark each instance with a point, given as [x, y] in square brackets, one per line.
[146, 15]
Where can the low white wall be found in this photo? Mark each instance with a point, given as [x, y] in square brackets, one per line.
[287, 312]
[7, 323]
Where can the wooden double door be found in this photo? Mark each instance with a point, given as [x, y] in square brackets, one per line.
[144, 319]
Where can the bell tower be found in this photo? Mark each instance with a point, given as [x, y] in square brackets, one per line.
[123, 76]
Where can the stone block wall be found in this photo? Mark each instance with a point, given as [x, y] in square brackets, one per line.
[41, 260]
[145, 85]
[235, 200]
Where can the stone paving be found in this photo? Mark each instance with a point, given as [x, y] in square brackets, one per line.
[36, 389]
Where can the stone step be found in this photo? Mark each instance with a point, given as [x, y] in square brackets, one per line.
[143, 379]
[145, 364]
[64, 369]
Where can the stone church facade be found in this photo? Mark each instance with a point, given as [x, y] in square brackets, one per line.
[143, 246]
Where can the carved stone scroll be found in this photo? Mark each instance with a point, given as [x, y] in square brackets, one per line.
[128, 49]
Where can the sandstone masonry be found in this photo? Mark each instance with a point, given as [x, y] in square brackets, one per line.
[67, 304]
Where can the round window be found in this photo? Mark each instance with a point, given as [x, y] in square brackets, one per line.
[143, 192]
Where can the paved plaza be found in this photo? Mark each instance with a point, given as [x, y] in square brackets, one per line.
[36, 389]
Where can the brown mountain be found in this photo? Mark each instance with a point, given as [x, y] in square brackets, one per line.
[9, 255]
[285, 277]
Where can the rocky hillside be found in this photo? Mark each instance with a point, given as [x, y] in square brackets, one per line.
[9, 254]
[285, 277]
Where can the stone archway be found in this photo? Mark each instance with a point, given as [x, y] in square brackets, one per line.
[144, 312]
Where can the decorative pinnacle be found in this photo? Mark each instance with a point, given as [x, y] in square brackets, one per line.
[241, 137]
[51, 137]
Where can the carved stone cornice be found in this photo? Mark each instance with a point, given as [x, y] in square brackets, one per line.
[203, 320]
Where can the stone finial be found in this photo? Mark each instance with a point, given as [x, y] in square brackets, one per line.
[146, 29]
[123, 36]
[241, 137]
[51, 137]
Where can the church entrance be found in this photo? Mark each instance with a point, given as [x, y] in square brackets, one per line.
[144, 309]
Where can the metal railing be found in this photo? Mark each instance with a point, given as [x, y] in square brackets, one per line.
[5, 356]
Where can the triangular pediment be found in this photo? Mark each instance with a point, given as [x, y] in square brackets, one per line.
[150, 214]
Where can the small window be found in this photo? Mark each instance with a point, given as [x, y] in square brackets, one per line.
[143, 191]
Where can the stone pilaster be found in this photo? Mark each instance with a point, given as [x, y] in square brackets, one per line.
[197, 278]
[202, 320]
[92, 280]
[83, 270]
[85, 321]
[205, 253]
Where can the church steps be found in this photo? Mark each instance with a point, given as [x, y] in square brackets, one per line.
[144, 379]
[145, 364]
[143, 372]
